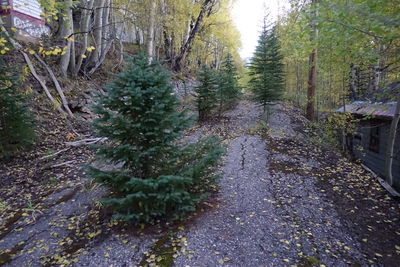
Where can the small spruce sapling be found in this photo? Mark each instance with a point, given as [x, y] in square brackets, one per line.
[16, 121]
[228, 84]
[206, 93]
[266, 69]
[158, 177]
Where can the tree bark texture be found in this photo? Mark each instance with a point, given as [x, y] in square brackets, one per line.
[150, 34]
[98, 33]
[84, 29]
[206, 9]
[312, 80]
[312, 76]
[68, 29]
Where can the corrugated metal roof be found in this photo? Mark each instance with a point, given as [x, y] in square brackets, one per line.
[31, 8]
[365, 108]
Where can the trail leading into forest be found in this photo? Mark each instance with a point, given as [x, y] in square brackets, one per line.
[262, 218]
[272, 209]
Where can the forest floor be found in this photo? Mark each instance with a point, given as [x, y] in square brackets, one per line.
[281, 201]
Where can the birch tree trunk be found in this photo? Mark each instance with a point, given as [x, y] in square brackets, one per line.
[312, 76]
[97, 32]
[392, 141]
[206, 8]
[68, 29]
[353, 82]
[188, 27]
[150, 34]
[120, 35]
[375, 78]
[105, 28]
[108, 37]
[84, 29]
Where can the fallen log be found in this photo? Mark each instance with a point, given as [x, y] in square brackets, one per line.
[87, 141]
[62, 164]
[55, 154]
[383, 183]
[83, 142]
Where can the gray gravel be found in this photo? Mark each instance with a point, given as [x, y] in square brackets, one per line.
[264, 218]
[260, 217]
[41, 232]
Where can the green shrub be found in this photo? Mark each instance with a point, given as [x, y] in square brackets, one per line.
[206, 93]
[228, 84]
[267, 69]
[16, 123]
[158, 178]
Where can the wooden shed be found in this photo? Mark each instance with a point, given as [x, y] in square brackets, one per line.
[370, 141]
[25, 17]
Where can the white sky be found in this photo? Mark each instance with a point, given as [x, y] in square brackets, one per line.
[248, 16]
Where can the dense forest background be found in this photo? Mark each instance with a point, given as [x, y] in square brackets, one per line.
[354, 44]
[326, 53]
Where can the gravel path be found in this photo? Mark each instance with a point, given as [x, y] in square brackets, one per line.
[266, 216]
[281, 202]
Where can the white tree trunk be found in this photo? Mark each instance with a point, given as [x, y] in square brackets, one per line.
[206, 9]
[106, 28]
[84, 28]
[68, 28]
[150, 37]
[97, 32]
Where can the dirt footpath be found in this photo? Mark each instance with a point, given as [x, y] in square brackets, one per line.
[276, 206]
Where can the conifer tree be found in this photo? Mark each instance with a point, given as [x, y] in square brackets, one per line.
[206, 93]
[228, 84]
[140, 118]
[16, 122]
[266, 68]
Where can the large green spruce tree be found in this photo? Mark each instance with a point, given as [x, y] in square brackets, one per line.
[267, 69]
[16, 121]
[158, 177]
